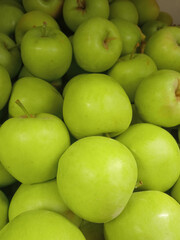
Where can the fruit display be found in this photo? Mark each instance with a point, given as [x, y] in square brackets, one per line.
[89, 120]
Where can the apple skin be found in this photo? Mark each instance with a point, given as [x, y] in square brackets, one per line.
[148, 215]
[92, 231]
[130, 70]
[40, 224]
[46, 134]
[5, 86]
[4, 205]
[103, 47]
[46, 52]
[164, 49]
[175, 191]
[10, 56]
[96, 177]
[77, 11]
[165, 17]
[39, 196]
[157, 155]
[53, 8]
[124, 10]
[6, 178]
[37, 95]
[95, 104]
[157, 98]
[33, 19]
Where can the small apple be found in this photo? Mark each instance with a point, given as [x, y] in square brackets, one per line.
[6, 178]
[165, 17]
[4, 205]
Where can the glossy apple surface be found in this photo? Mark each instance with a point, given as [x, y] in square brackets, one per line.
[175, 191]
[36, 143]
[103, 47]
[96, 177]
[95, 104]
[148, 215]
[157, 155]
[40, 224]
[4, 205]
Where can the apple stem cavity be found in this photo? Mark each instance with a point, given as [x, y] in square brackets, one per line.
[81, 5]
[106, 41]
[19, 103]
[138, 184]
[44, 29]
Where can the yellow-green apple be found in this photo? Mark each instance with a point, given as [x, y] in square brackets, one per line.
[97, 44]
[157, 98]
[52, 7]
[46, 52]
[4, 206]
[95, 104]
[125, 10]
[6, 178]
[130, 70]
[10, 56]
[40, 224]
[148, 215]
[92, 231]
[33, 19]
[37, 95]
[77, 11]
[165, 17]
[96, 177]
[39, 196]
[175, 191]
[157, 155]
[36, 143]
[163, 47]
[147, 10]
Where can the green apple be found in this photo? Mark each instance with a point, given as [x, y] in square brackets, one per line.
[125, 10]
[95, 104]
[96, 177]
[165, 17]
[6, 178]
[92, 231]
[10, 56]
[157, 98]
[33, 19]
[37, 95]
[36, 143]
[77, 11]
[163, 47]
[39, 196]
[150, 215]
[130, 70]
[46, 52]
[40, 224]
[175, 191]
[5, 87]
[157, 155]
[52, 7]
[97, 44]
[147, 10]
[4, 205]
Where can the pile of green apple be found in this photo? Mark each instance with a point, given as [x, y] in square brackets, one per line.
[89, 120]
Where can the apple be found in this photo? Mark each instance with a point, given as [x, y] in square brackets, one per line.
[5, 87]
[95, 104]
[4, 205]
[40, 224]
[30, 20]
[148, 215]
[130, 70]
[147, 10]
[163, 47]
[52, 8]
[175, 191]
[124, 10]
[96, 177]
[157, 98]
[39, 196]
[165, 17]
[103, 47]
[157, 155]
[77, 11]
[36, 143]
[10, 57]
[46, 52]
[92, 231]
[37, 95]
[6, 178]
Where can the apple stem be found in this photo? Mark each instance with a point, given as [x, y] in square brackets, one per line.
[138, 184]
[19, 103]
[107, 41]
[44, 29]
[134, 50]
[81, 5]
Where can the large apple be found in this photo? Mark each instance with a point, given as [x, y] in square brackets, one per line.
[157, 155]
[31, 146]
[40, 224]
[97, 44]
[175, 191]
[150, 215]
[157, 98]
[95, 104]
[4, 205]
[77, 11]
[96, 177]
[163, 47]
